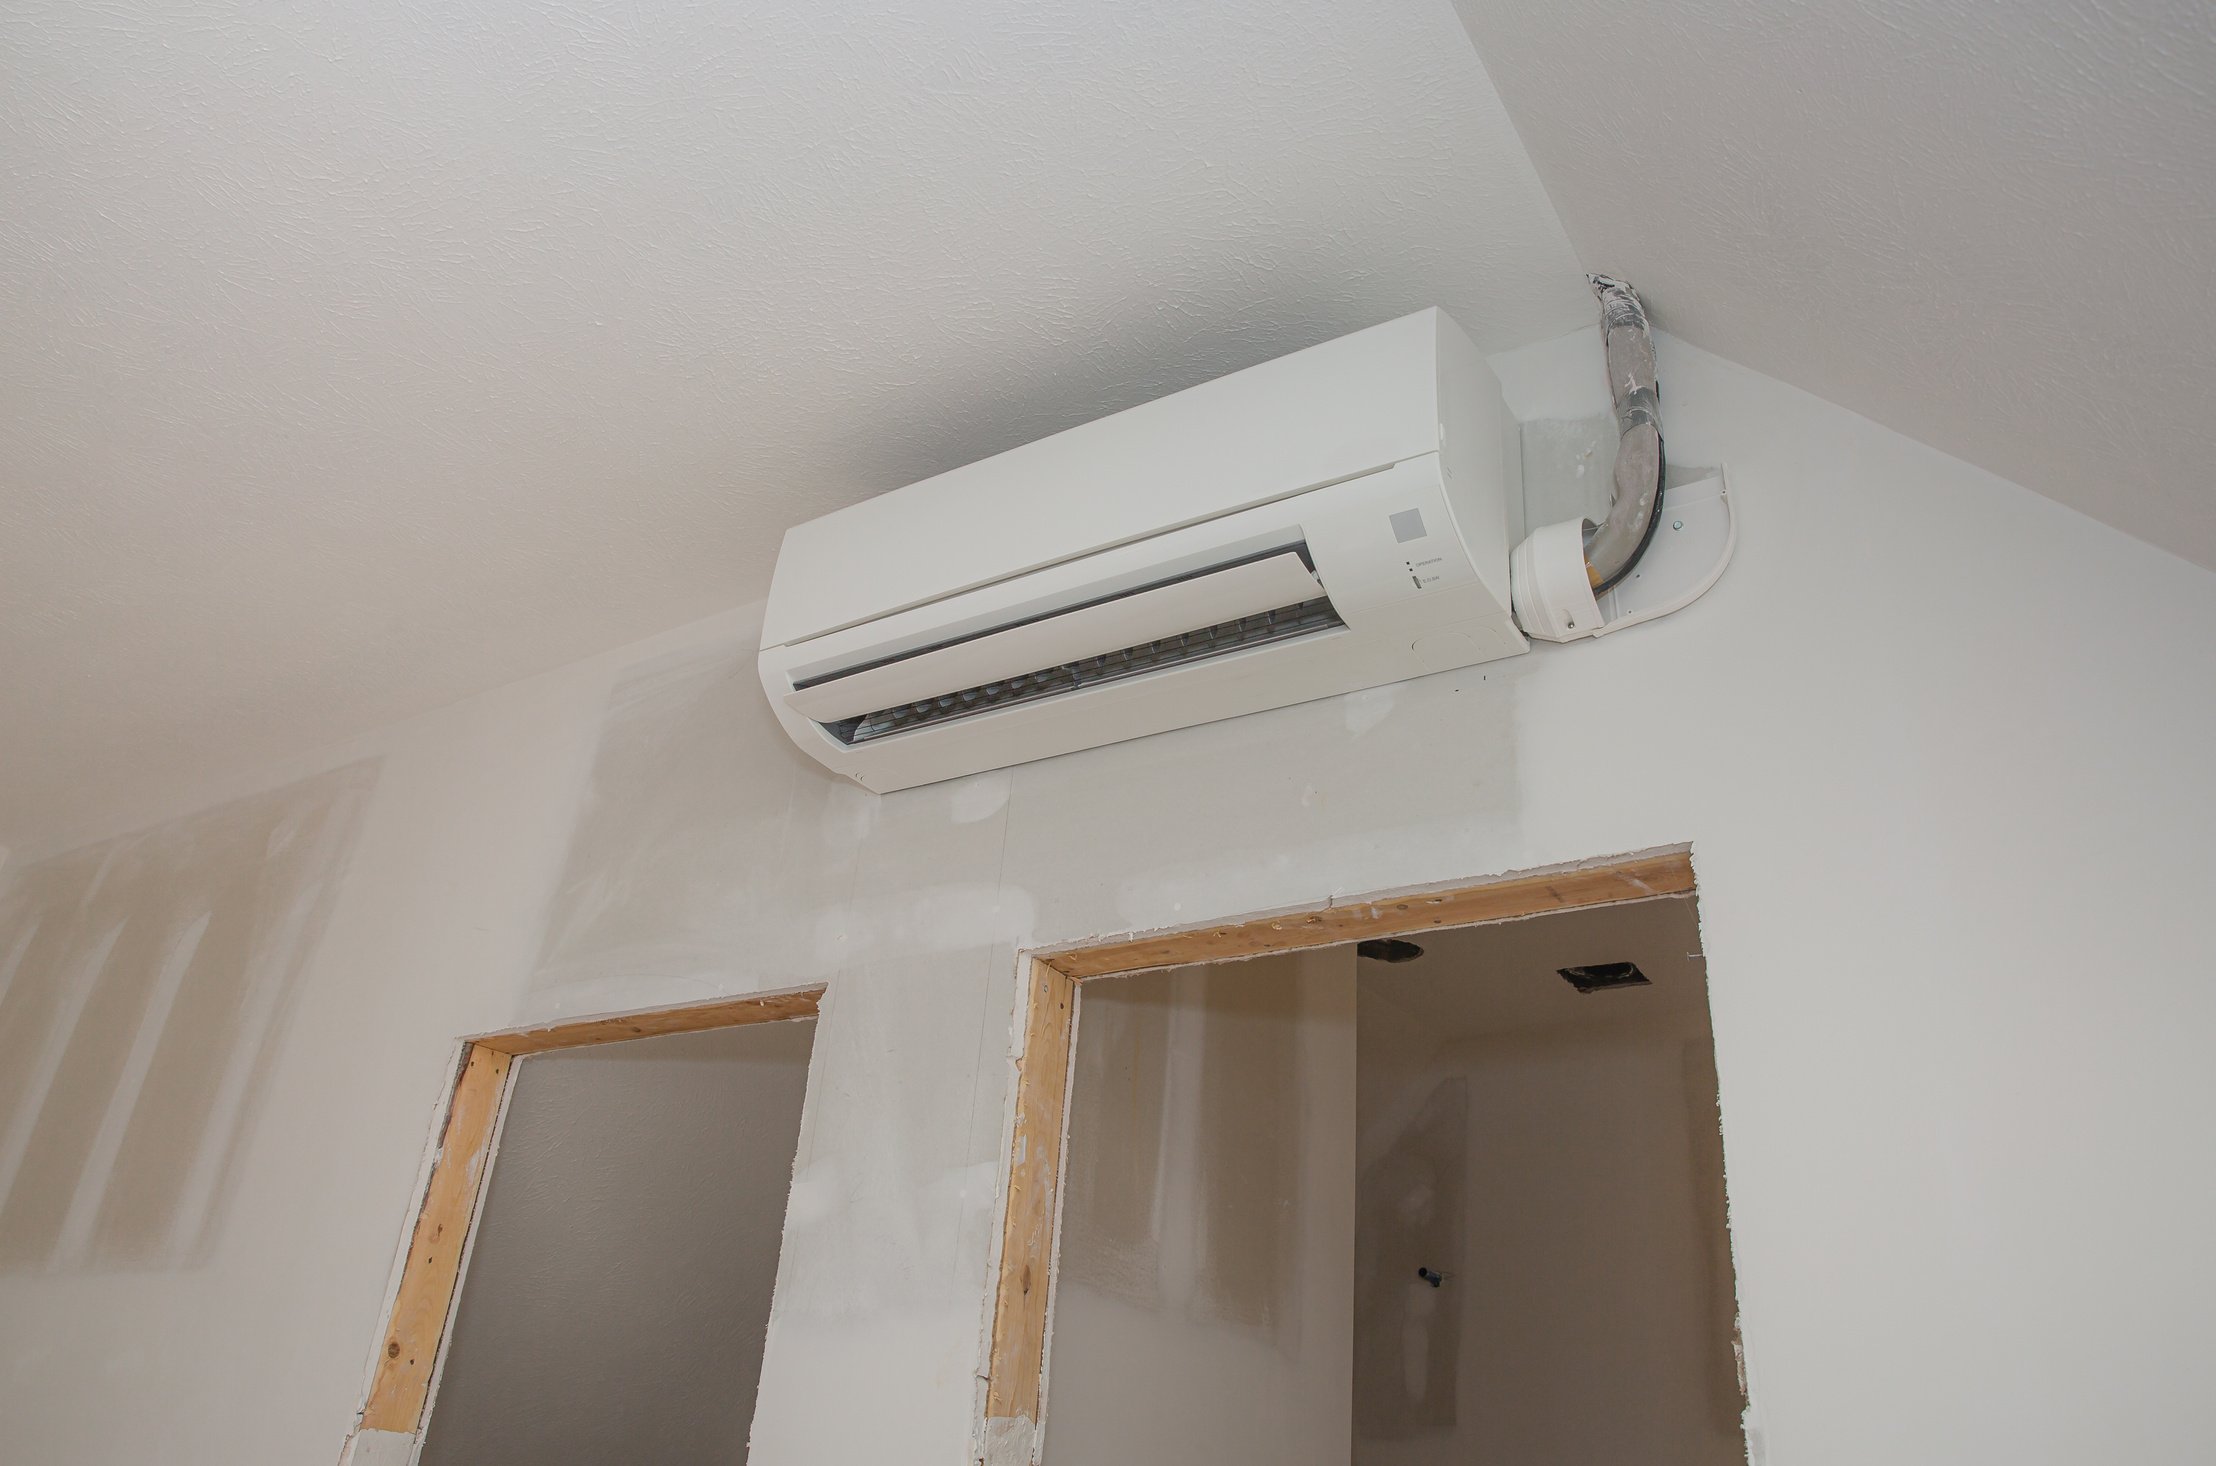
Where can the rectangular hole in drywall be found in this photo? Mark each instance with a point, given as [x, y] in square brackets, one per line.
[622, 1263]
[1321, 1209]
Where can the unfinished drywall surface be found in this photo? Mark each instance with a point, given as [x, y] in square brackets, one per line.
[669, 880]
[1938, 745]
[1411, 1227]
[1206, 1261]
[619, 1280]
[1556, 1157]
[143, 982]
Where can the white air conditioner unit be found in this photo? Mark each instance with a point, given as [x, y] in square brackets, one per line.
[1332, 520]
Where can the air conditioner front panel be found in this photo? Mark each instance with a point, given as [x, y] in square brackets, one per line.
[1248, 588]
[1319, 416]
[1246, 682]
[1402, 596]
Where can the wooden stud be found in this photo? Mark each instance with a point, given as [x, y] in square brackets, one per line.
[1636, 879]
[1027, 1229]
[656, 1022]
[401, 1384]
[427, 1280]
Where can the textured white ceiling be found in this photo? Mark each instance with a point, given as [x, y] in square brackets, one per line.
[1991, 227]
[359, 356]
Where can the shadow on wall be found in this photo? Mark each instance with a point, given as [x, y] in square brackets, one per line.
[143, 982]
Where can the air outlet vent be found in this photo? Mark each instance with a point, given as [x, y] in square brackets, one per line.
[1264, 628]
[1602, 976]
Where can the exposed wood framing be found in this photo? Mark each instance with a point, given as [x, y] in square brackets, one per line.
[1634, 879]
[654, 1023]
[419, 1309]
[1021, 1313]
[416, 1328]
[1034, 1168]
[1014, 1370]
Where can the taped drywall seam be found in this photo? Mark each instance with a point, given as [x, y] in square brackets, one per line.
[275, 965]
[99, 1167]
[271, 969]
[14, 962]
[76, 992]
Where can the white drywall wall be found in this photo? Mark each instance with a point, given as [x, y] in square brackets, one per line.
[619, 1281]
[1204, 1302]
[1940, 747]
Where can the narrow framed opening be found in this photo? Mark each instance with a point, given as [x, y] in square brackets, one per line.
[582, 1126]
[1225, 1138]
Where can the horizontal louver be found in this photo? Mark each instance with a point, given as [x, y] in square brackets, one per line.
[1184, 648]
[1091, 633]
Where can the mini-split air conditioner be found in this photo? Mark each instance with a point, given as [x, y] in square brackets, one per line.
[1312, 525]
[1332, 520]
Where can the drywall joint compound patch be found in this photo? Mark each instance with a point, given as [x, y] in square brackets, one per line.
[1009, 1441]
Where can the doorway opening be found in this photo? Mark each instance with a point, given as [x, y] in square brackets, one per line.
[589, 1273]
[1387, 1189]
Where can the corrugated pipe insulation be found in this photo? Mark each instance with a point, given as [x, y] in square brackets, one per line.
[1614, 545]
[1560, 572]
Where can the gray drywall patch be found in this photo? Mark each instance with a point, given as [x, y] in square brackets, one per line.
[689, 860]
[1235, 1345]
[1408, 1331]
[1111, 1207]
[1145, 1038]
[1251, 1119]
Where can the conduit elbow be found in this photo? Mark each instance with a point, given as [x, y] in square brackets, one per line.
[1558, 574]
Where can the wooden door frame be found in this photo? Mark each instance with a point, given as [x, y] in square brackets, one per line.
[417, 1318]
[1016, 1349]
[413, 1334]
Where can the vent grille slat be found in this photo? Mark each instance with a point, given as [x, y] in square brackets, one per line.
[1261, 629]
